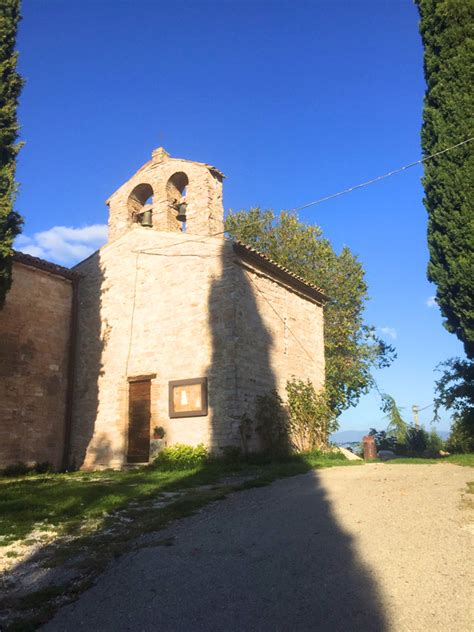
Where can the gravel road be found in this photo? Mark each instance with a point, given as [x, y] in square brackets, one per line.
[377, 547]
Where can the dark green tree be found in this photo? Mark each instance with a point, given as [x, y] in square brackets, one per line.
[455, 392]
[10, 88]
[446, 28]
[352, 348]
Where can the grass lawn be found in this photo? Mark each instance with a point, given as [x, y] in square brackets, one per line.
[92, 517]
[96, 516]
[457, 459]
[68, 502]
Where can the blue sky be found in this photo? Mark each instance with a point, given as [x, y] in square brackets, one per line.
[292, 100]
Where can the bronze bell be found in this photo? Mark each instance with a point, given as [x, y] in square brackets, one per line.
[145, 218]
[181, 216]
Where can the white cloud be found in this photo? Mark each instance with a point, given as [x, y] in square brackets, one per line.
[63, 244]
[389, 331]
[431, 301]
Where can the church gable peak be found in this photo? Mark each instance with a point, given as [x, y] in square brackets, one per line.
[168, 194]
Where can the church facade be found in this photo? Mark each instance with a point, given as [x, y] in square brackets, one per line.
[165, 335]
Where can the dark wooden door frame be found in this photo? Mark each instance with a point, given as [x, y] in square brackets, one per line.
[139, 414]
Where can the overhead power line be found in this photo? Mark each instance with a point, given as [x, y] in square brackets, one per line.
[425, 407]
[382, 177]
[328, 197]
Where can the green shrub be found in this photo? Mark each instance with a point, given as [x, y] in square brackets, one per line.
[416, 440]
[311, 419]
[461, 438]
[332, 453]
[434, 443]
[182, 457]
[384, 440]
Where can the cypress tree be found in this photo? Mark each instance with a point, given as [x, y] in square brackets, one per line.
[10, 87]
[446, 28]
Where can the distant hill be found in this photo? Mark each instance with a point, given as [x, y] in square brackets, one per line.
[349, 436]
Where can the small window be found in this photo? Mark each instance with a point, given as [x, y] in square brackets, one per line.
[188, 398]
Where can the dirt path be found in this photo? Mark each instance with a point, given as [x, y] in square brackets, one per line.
[379, 547]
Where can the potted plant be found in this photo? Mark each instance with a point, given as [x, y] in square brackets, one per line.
[157, 442]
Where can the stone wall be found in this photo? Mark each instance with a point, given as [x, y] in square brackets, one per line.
[175, 307]
[164, 178]
[280, 336]
[34, 345]
[149, 313]
[166, 302]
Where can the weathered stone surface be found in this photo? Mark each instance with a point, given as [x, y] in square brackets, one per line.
[34, 342]
[160, 302]
[154, 303]
[164, 179]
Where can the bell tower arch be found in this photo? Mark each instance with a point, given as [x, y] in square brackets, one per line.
[169, 194]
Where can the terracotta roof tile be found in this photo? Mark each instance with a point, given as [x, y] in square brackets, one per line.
[292, 278]
[41, 264]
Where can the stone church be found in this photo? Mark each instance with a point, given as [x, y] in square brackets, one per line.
[165, 335]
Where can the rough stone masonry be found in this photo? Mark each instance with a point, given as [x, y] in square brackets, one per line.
[165, 335]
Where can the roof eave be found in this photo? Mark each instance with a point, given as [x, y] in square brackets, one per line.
[45, 266]
[298, 283]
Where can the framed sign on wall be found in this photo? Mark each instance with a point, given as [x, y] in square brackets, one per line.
[188, 398]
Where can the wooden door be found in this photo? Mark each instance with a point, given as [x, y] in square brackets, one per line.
[139, 422]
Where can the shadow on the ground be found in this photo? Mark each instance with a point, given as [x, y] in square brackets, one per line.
[273, 559]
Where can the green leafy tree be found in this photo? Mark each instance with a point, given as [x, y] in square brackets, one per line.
[383, 440]
[416, 441]
[351, 347]
[446, 30]
[10, 88]
[402, 438]
[397, 427]
[435, 444]
[455, 392]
